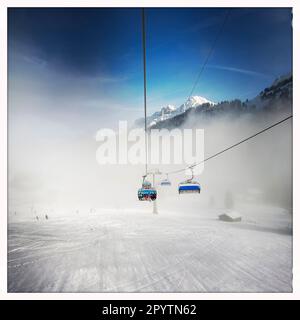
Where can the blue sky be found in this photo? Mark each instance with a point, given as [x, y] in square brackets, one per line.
[92, 59]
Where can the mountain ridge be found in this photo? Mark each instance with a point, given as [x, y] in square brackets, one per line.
[277, 96]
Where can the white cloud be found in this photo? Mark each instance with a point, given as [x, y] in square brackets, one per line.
[239, 70]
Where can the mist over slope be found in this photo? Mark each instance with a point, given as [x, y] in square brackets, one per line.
[53, 170]
[259, 171]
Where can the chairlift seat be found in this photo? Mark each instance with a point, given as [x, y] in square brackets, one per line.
[147, 194]
[189, 186]
[165, 182]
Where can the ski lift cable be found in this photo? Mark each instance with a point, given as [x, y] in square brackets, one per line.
[193, 88]
[145, 88]
[145, 72]
[210, 52]
[231, 147]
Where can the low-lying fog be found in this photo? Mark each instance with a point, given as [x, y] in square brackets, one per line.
[53, 167]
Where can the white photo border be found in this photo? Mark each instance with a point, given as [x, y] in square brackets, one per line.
[5, 4]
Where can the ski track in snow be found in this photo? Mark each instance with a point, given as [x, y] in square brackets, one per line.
[141, 252]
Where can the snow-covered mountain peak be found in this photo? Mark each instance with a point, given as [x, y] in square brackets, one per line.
[196, 101]
[168, 109]
[193, 102]
[277, 96]
[171, 111]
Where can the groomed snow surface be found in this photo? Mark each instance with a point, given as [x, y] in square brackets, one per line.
[137, 251]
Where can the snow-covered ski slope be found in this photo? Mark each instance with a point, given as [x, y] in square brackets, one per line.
[136, 251]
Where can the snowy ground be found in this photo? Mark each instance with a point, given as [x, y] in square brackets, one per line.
[130, 251]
